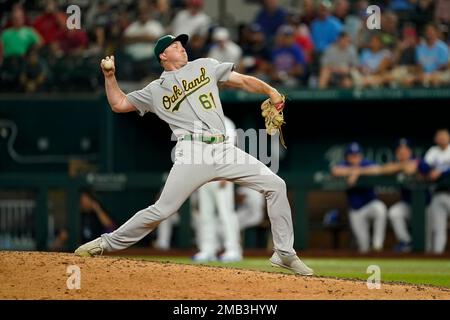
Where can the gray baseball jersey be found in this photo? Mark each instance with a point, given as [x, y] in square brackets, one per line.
[188, 98]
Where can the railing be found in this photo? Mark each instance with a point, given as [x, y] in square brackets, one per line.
[17, 224]
[42, 183]
[234, 96]
[299, 184]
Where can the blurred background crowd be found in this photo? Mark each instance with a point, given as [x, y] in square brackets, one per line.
[308, 43]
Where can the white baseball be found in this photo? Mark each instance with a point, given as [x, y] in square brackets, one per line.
[108, 64]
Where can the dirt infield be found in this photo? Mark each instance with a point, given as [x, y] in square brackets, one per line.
[34, 275]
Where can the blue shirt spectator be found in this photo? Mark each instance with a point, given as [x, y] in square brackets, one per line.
[288, 60]
[422, 168]
[401, 5]
[371, 60]
[358, 197]
[433, 57]
[285, 58]
[325, 32]
[270, 18]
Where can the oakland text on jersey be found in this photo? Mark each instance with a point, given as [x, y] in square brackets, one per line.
[189, 87]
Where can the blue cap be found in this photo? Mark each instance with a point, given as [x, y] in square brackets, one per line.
[353, 148]
[255, 27]
[403, 142]
[286, 30]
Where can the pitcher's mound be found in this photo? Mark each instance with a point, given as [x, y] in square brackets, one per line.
[35, 275]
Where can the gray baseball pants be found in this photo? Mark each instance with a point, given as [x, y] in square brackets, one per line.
[197, 163]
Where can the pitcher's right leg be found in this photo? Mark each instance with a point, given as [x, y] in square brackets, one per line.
[183, 179]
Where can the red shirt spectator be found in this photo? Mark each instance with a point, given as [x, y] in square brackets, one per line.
[73, 40]
[51, 24]
[303, 39]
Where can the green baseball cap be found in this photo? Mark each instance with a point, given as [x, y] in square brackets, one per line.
[166, 41]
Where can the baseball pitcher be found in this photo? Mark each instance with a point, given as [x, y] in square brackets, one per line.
[186, 96]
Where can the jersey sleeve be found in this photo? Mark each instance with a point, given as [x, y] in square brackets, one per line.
[222, 70]
[142, 100]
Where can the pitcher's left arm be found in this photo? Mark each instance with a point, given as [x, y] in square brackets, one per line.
[253, 85]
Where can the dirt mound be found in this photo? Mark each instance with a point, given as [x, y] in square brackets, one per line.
[35, 275]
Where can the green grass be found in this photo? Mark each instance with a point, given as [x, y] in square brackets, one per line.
[413, 271]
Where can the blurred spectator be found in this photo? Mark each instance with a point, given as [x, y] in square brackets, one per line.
[165, 228]
[365, 207]
[162, 12]
[58, 76]
[270, 18]
[223, 49]
[400, 212]
[52, 23]
[18, 39]
[74, 42]
[341, 10]
[34, 72]
[401, 5]
[102, 21]
[192, 20]
[120, 21]
[404, 59]
[389, 29]
[303, 38]
[250, 207]
[442, 11]
[139, 39]
[423, 14]
[308, 12]
[337, 62]
[94, 221]
[289, 64]
[316, 25]
[164, 232]
[432, 56]
[356, 23]
[256, 56]
[8, 21]
[373, 64]
[326, 28]
[196, 47]
[403, 8]
[438, 157]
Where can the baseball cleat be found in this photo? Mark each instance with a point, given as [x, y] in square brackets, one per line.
[203, 257]
[90, 249]
[228, 256]
[292, 263]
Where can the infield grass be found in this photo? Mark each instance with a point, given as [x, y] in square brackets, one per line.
[412, 271]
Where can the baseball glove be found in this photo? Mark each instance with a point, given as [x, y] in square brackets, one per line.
[273, 117]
